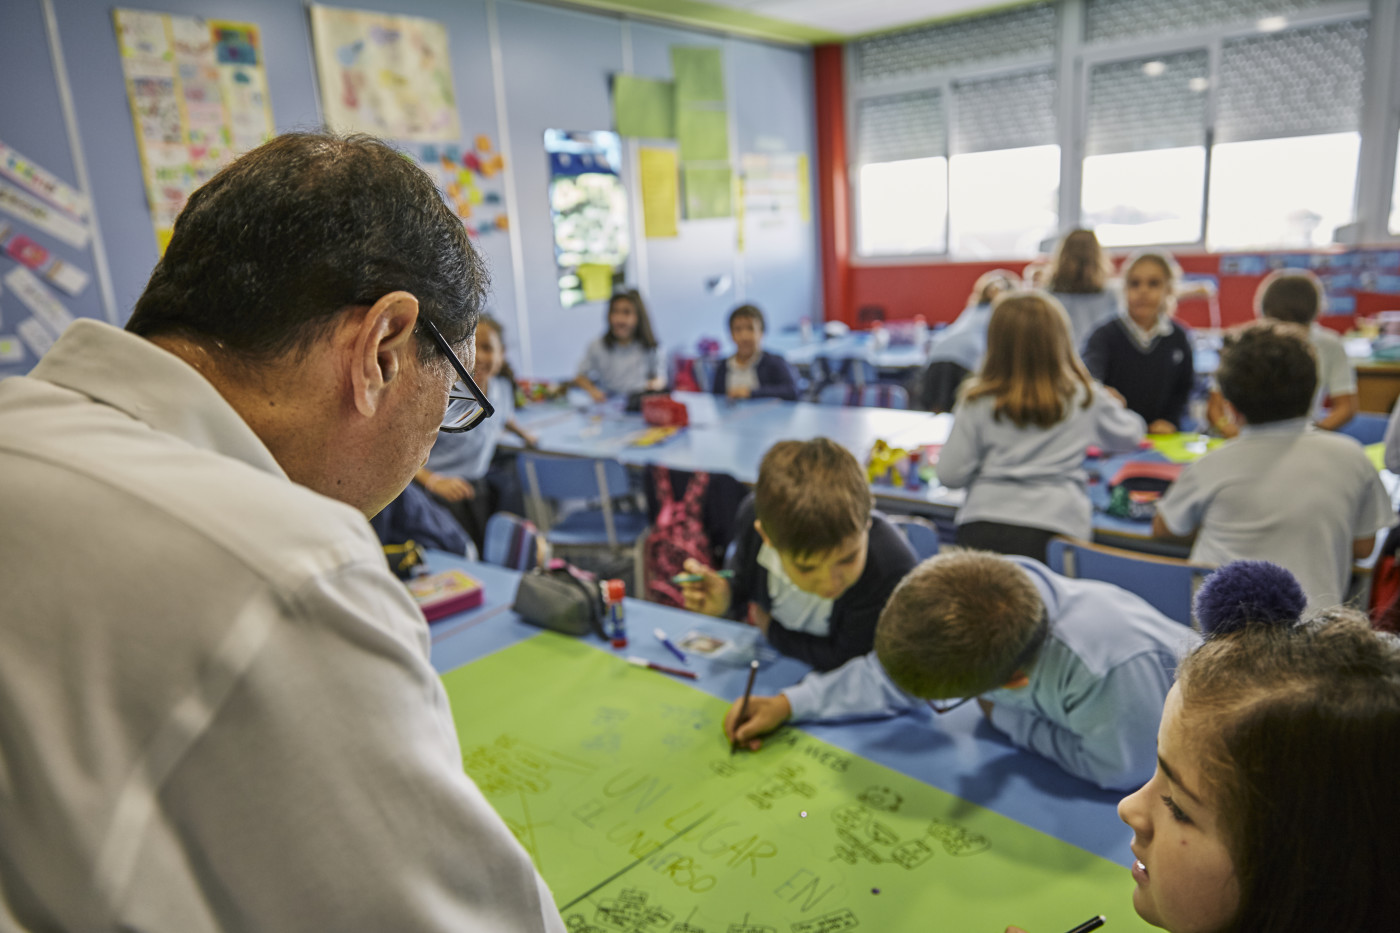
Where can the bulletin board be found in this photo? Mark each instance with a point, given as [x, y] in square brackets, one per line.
[620, 785]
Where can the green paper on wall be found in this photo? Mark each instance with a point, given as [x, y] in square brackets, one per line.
[596, 279]
[644, 108]
[703, 134]
[699, 74]
[709, 193]
[619, 783]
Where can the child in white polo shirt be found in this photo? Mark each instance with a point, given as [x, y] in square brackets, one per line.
[1282, 491]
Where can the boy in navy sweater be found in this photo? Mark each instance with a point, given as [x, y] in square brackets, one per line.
[813, 565]
[753, 372]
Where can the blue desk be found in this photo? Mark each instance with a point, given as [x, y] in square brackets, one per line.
[896, 359]
[723, 436]
[957, 752]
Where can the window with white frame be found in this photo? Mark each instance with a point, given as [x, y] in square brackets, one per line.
[1004, 173]
[1287, 137]
[1145, 152]
[902, 188]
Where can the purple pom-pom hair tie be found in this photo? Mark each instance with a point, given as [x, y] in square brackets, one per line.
[1248, 592]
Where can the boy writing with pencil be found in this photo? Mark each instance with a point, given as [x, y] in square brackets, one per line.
[1074, 670]
[813, 564]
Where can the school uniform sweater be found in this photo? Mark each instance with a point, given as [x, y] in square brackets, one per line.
[851, 628]
[1156, 381]
[774, 378]
[1096, 689]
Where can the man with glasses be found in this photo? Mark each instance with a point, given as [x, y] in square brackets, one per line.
[216, 706]
[1073, 670]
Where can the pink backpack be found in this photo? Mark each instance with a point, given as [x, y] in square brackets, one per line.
[678, 535]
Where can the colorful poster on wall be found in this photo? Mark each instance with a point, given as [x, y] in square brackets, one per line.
[198, 95]
[589, 207]
[471, 180]
[383, 74]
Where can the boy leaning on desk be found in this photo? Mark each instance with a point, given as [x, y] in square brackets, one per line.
[1073, 670]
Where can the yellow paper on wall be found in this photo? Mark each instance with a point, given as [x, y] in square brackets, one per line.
[596, 279]
[804, 190]
[660, 202]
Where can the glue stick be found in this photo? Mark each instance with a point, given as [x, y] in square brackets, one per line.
[617, 618]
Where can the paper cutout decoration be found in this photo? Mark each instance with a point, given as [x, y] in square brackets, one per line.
[644, 108]
[460, 176]
[24, 206]
[596, 280]
[699, 74]
[708, 192]
[198, 95]
[659, 175]
[45, 185]
[384, 74]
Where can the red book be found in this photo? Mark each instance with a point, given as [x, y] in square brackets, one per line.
[445, 593]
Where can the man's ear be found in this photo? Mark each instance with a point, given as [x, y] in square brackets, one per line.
[380, 346]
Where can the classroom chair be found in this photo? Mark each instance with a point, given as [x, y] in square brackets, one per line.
[552, 482]
[514, 542]
[705, 367]
[921, 534]
[1366, 427]
[1168, 584]
[828, 369]
[876, 395]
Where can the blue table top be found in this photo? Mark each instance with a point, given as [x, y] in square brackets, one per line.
[724, 436]
[957, 752]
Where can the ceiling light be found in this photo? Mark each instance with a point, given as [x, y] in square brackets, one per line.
[1272, 23]
[1198, 84]
[1154, 69]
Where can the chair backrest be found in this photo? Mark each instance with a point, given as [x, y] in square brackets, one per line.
[1169, 585]
[864, 396]
[549, 479]
[884, 395]
[1366, 427]
[853, 369]
[513, 542]
[705, 367]
[921, 534]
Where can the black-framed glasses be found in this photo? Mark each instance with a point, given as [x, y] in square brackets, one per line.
[1023, 659]
[465, 410]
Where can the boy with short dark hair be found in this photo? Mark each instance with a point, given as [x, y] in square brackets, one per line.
[753, 372]
[813, 564]
[1074, 670]
[1308, 500]
[1295, 296]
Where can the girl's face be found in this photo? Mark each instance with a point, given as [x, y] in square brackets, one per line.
[1185, 874]
[490, 355]
[622, 319]
[1146, 285]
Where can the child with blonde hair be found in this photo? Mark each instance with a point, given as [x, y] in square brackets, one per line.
[1020, 431]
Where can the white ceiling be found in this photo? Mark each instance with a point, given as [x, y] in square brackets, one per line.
[854, 17]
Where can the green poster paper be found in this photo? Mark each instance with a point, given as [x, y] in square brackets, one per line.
[619, 783]
[644, 108]
[708, 193]
[699, 74]
[703, 134]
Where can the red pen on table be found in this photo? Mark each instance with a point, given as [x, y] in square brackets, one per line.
[675, 671]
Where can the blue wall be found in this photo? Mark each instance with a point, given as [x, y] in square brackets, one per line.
[554, 70]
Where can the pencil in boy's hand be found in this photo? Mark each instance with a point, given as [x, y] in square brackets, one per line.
[696, 577]
[1093, 923]
[743, 707]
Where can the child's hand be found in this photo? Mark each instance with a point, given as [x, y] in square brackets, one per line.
[451, 488]
[738, 392]
[761, 716]
[759, 618]
[597, 394]
[710, 595]
[530, 440]
[1115, 394]
[1161, 426]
